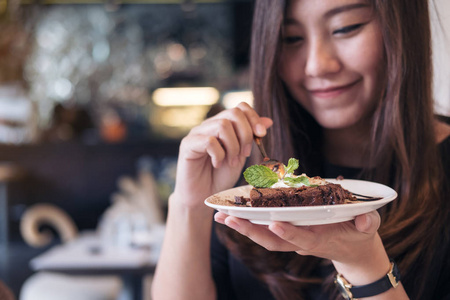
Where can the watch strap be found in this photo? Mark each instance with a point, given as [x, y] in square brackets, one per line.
[391, 279]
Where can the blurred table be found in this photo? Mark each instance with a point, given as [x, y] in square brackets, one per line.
[87, 256]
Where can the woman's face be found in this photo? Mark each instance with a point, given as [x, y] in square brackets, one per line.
[332, 59]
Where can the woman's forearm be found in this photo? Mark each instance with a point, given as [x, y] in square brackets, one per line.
[184, 267]
[211, 159]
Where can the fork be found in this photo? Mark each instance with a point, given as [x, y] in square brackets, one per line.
[365, 198]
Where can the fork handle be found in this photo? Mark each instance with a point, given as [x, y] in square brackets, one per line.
[260, 145]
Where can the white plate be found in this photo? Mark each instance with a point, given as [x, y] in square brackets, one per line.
[307, 215]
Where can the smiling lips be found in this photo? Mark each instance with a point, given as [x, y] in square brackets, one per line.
[331, 92]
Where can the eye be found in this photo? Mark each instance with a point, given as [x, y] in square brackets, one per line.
[292, 39]
[347, 29]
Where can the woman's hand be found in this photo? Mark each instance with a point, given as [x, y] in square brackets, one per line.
[350, 245]
[354, 247]
[210, 160]
[213, 154]
[331, 241]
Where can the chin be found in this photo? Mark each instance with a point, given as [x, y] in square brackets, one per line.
[337, 121]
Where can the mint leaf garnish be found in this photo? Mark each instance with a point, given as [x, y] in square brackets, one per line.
[260, 176]
[293, 165]
[297, 181]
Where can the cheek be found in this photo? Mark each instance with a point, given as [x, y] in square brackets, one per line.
[366, 56]
[374, 70]
[290, 67]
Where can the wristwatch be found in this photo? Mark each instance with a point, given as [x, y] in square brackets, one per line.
[350, 292]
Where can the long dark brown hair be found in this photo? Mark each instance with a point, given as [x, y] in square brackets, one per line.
[403, 146]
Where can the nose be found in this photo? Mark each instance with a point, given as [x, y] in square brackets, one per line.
[321, 60]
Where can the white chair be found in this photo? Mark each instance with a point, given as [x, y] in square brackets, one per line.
[55, 286]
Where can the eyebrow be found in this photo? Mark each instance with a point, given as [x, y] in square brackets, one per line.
[332, 12]
[344, 8]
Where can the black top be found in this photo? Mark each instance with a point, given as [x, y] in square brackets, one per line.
[234, 281]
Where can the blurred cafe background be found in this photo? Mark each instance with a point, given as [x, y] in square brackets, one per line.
[95, 96]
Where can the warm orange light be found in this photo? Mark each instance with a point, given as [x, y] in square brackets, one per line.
[232, 99]
[186, 96]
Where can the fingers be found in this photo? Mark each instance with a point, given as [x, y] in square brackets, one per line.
[319, 240]
[224, 131]
[199, 144]
[233, 130]
[278, 236]
[246, 123]
[368, 223]
[258, 124]
[302, 237]
[258, 233]
[267, 123]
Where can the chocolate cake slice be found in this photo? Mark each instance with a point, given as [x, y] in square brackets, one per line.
[271, 189]
[327, 194]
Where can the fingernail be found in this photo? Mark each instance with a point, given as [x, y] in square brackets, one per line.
[260, 129]
[248, 150]
[232, 224]
[217, 164]
[277, 229]
[219, 219]
[368, 220]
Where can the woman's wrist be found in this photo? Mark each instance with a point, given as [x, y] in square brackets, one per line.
[366, 268]
[189, 209]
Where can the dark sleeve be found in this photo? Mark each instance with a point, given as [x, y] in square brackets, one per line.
[233, 279]
[444, 149]
[439, 279]
[220, 267]
[443, 285]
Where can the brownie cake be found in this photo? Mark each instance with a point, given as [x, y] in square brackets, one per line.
[327, 194]
[271, 190]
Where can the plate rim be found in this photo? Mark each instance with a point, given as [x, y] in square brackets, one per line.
[382, 201]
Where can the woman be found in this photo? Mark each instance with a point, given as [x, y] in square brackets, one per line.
[346, 85]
